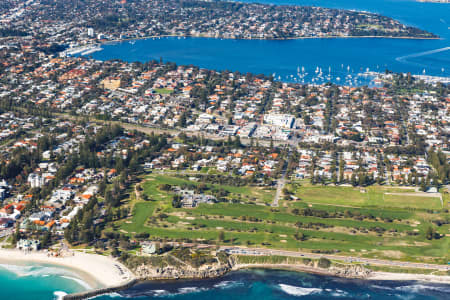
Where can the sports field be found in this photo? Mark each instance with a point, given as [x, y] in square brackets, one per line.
[373, 196]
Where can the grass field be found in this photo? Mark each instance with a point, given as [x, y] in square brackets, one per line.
[373, 196]
[411, 201]
[386, 230]
[163, 91]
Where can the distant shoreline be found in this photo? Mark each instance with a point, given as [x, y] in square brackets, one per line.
[434, 1]
[270, 39]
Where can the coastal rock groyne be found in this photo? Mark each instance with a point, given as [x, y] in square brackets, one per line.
[101, 291]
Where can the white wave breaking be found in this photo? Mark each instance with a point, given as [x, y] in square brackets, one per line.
[160, 292]
[190, 290]
[34, 271]
[59, 295]
[81, 282]
[298, 291]
[416, 288]
[336, 293]
[114, 295]
[44, 271]
[227, 284]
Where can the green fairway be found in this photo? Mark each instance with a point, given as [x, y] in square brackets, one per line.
[362, 222]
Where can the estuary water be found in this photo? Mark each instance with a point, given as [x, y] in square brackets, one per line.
[281, 285]
[38, 282]
[337, 60]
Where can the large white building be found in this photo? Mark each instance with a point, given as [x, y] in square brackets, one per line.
[90, 32]
[282, 120]
[35, 180]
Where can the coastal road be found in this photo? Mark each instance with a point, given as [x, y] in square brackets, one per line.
[350, 259]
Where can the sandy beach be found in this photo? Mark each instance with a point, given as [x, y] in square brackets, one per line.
[97, 270]
[407, 277]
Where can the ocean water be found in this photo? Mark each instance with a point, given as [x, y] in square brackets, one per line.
[281, 285]
[47, 282]
[38, 282]
[336, 58]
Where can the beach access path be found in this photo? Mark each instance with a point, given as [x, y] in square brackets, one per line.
[98, 270]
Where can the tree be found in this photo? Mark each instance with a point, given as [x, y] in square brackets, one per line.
[108, 197]
[341, 170]
[221, 236]
[324, 263]
[430, 233]
[16, 236]
[115, 252]
[176, 201]
[354, 179]
[46, 239]
[423, 185]
[182, 120]
[299, 236]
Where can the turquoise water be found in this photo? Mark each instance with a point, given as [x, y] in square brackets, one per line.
[337, 58]
[282, 285]
[37, 282]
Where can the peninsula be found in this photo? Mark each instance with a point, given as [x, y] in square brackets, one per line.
[70, 22]
[160, 171]
[434, 1]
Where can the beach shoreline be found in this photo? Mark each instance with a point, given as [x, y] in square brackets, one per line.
[103, 276]
[96, 270]
[100, 271]
[113, 41]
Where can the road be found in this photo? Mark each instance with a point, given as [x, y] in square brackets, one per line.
[371, 261]
[155, 130]
[282, 181]
[6, 232]
[235, 250]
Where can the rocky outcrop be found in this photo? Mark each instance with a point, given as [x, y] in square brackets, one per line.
[148, 272]
[350, 271]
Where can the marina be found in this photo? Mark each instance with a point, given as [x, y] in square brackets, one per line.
[81, 50]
